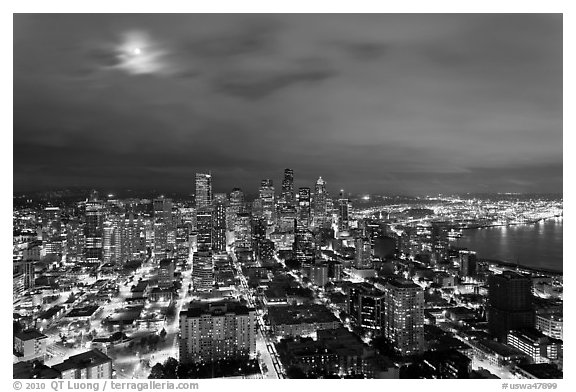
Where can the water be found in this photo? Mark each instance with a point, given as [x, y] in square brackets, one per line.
[536, 245]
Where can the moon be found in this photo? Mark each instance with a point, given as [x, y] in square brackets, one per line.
[136, 51]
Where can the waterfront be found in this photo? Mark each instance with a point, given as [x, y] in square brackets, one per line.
[537, 245]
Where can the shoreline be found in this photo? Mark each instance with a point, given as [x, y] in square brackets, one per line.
[532, 222]
[515, 266]
[519, 266]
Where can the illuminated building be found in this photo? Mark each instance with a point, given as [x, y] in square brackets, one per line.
[551, 325]
[243, 232]
[30, 345]
[93, 230]
[183, 242]
[204, 226]
[509, 303]
[91, 364]
[320, 215]
[235, 207]
[363, 256]
[343, 212]
[539, 347]
[217, 330]
[318, 274]
[133, 238]
[468, 262]
[166, 269]
[287, 217]
[163, 226]
[266, 194]
[303, 222]
[440, 242]
[287, 195]
[365, 304]
[202, 271]
[219, 226]
[403, 318]
[203, 190]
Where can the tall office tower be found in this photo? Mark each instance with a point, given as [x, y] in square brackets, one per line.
[133, 238]
[363, 258]
[509, 303]
[287, 216]
[166, 269]
[468, 262]
[288, 187]
[404, 316]
[202, 271]
[365, 304]
[217, 330]
[243, 232]
[52, 221]
[163, 226]
[203, 190]
[219, 226]
[183, 242]
[26, 267]
[303, 208]
[319, 212]
[74, 240]
[440, 242]
[204, 226]
[235, 207]
[93, 230]
[267, 196]
[107, 242]
[258, 235]
[343, 212]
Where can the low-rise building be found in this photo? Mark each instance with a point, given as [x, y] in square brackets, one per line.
[92, 364]
[29, 345]
[301, 320]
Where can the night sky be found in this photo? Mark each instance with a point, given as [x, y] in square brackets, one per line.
[373, 103]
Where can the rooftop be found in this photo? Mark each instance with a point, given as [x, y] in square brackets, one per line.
[81, 361]
[30, 334]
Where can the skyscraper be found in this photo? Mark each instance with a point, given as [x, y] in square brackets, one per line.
[204, 225]
[236, 207]
[267, 196]
[304, 208]
[203, 190]
[509, 303]
[343, 212]
[288, 187]
[319, 211]
[219, 227]
[93, 230]
[404, 316]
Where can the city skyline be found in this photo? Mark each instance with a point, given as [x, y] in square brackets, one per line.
[412, 104]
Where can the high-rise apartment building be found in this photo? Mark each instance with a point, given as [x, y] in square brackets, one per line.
[217, 330]
[403, 318]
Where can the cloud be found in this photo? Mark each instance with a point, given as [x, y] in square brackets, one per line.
[255, 86]
[366, 50]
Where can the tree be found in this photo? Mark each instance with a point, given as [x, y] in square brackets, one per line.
[170, 367]
[157, 371]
